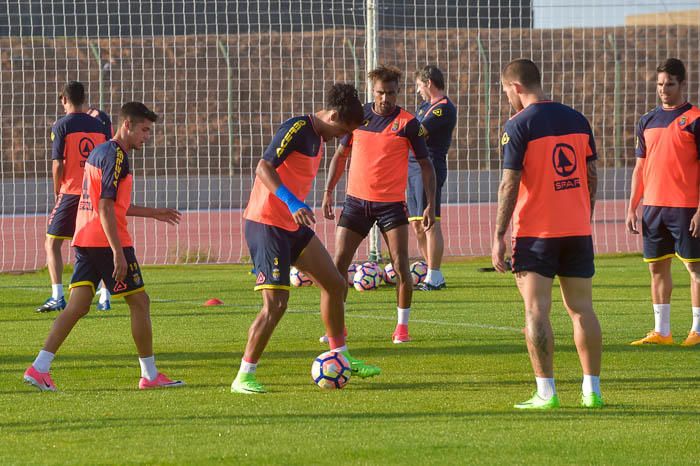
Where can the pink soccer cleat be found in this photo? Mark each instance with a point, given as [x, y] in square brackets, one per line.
[161, 381]
[41, 380]
[400, 334]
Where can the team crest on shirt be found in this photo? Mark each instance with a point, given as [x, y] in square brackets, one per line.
[682, 121]
[437, 112]
[395, 126]
[505, 139]
[261, 279]
[421, 131]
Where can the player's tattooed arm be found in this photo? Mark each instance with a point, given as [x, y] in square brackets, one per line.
[592, 182]
[507, 197]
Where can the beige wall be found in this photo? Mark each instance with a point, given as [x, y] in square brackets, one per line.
[685, 17]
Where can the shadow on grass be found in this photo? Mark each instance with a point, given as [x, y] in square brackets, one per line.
[564, 416]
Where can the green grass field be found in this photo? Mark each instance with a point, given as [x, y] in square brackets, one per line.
[445, 398]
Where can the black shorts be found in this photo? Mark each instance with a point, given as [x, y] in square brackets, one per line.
[416, 195]
[571, 256]
[274, 250]
[95, 264]
[359, 215]
[63, 215]
[665, 233]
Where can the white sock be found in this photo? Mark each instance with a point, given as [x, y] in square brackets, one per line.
[696, 320]
[247, 367]
[662, 319]
[340, 349]
[434, 277]
[148, 368]
[57, 291]
[403, 315]
[591, 384]
[43, 360]
[545, 388]
[104, 294]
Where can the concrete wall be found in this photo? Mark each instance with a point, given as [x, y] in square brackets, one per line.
[203, 193]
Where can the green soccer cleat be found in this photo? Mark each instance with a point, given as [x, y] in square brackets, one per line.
[593, 401]
[360, 368]
[247, 384]
[538, 403]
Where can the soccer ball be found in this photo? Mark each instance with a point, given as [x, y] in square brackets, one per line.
[366, 278]
[351, 273]
[299, 278]
[390, 274]
[418, 272]
[330, 370]
[377, 268]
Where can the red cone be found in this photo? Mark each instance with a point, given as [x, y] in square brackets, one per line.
[213, 302]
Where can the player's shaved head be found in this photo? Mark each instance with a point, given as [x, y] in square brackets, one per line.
[74, 92]
[137, 112]
[523, 71]
[385, 73]
[673, 67]
[343, 99]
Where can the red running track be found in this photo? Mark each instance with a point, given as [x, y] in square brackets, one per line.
[216, 236]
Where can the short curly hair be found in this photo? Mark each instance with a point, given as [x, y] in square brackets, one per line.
[385, 73]
[343, 98]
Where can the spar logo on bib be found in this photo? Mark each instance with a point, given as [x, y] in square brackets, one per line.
[565, 164]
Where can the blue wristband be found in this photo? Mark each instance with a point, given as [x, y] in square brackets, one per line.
[286, 196]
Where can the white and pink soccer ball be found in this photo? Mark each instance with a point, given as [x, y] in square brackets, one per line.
[377, 268]
[366, 278]
[299, 278]
[390, 276]
[419, 270]
[330, 370]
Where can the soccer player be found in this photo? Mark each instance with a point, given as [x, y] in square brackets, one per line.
[667, 176]
[73, 138]
[278, 233]
[104, 249]
[376, 190]
[549, 186]
[438, 117]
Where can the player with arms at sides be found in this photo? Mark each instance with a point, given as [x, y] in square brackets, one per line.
[72, 139]
[667, 176]
[104, 249]
[278, 233]
[548, 188]
[438, 117]
[376, 189]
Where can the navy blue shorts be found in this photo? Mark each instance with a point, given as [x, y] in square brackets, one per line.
[416, 195]
[665, 233]
[359, 215]
[63, 215]
[274, 250]
[95, 264]
[571, 256]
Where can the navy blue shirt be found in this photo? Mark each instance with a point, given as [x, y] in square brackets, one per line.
[294, 135]
[439, 119]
